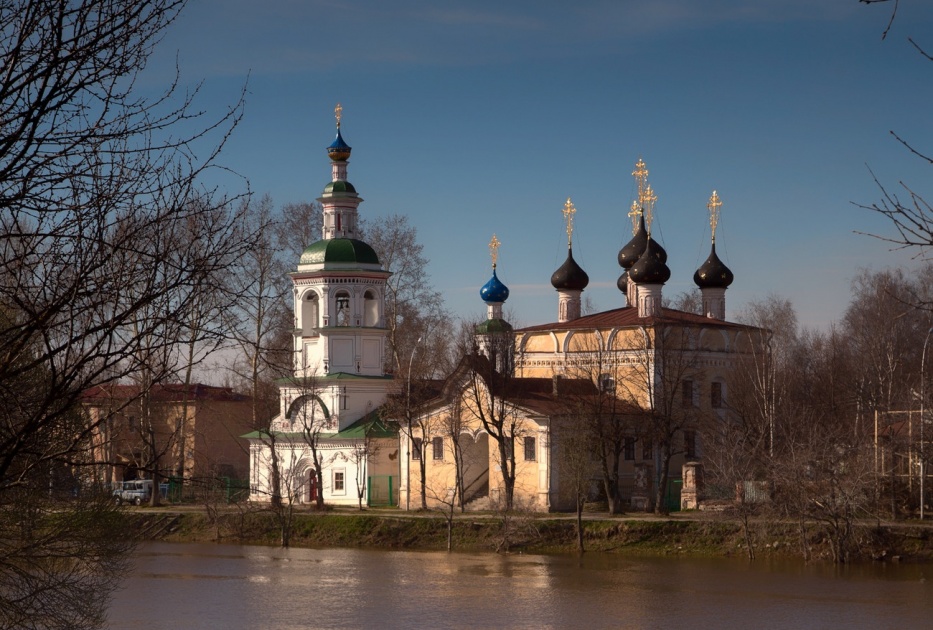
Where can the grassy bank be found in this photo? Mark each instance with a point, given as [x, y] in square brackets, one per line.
[681, 535]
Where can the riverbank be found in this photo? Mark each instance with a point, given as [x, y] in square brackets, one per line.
[681, 534]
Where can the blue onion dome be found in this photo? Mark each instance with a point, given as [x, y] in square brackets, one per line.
[494, 290]
[338, 151]
[650, 267]
[713, 274]
[570, 275]
[622, 283]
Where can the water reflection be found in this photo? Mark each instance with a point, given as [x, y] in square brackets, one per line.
[211, 586]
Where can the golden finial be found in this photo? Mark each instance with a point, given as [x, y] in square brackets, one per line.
[338, 112]
[641, 175]
[713, 206]
[635, 212]
[644, 205]
[647, 200]
[569, 211]
[494, 249]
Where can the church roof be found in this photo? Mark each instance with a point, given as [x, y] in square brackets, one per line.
[537, 395]
[628, 316]
[494, 290]
[338, 150]
[339, 250]
[339, 186]
[570, 275]
[713, 273]
[490, 326]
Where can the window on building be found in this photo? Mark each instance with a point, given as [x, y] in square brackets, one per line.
[370, 309]
[715, 395]
[686, 393]
[131, 422]
[647, 448]
[339, 482]
[416, 448]
[509, 447]
[437, 445]
[628, 448]
[342, 300]
[690, 444]
[530, 449]
[606, 383]
[311, 313]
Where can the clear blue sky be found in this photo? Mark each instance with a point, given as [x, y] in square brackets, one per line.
[476, 117]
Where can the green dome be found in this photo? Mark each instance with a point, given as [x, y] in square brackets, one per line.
[493, 326]
[339, 250]
[339, 186]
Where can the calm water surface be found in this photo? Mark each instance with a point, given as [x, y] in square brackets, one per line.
[225, 586]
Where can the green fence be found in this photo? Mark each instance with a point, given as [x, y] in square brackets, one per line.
[382, 490]
[672, 495]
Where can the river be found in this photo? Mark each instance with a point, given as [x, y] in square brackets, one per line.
[192, 586]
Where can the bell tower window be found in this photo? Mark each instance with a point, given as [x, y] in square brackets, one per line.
[311, 313]
[370, 310]
[343, 308]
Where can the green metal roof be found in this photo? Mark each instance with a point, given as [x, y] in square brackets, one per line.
[493, 326]
[339, 186]
[339, 250]
[369, 426]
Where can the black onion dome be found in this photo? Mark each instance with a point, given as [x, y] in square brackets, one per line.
[622, 283]
[629, 254]
[635, 247]
[650, 267]
[570, 275]
[713, 274]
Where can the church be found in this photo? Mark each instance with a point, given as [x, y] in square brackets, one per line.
[637, 382]
[328, 443]
[629, 387]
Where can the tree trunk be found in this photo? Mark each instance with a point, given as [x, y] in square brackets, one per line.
[662, 479]
[580, 525]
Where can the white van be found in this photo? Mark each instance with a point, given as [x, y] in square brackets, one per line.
[136, 492]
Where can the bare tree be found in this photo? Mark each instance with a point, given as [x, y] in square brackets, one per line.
[575, 444]
[257, 313]
[608, 420]
[406, 402]
[414, 309]
[491, 388]
[908, 211]
[663, 358]
[361, 453]
[90, 173]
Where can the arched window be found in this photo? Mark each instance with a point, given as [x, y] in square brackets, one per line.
[370, 309]
[342, 303]
[311, 313]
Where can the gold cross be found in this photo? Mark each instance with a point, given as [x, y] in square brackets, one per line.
[648, 199]
[715, 203]
[641, 175]
[568, 212]
[494, 249]
[635, 212]
[338, 111]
